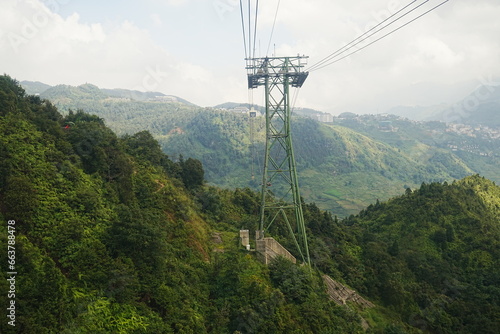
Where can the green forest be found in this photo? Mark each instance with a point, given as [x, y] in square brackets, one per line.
[112, 235]
[343, 167]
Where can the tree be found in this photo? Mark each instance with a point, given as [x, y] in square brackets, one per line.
[193, 174]
[293, 281]
[19, 199]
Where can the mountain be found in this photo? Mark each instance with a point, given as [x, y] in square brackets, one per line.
[343, 167]
[478, 148]
[430, 254]
[340, 169]
[109, 235]
[479, 108]
[89, 91]
[34, 87]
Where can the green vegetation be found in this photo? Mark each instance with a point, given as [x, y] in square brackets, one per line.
[342, 168]
[113, 236]
[432, 255]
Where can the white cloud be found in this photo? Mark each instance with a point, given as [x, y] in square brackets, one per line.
[456, 43]
[192, 52]
[177, 2]
[435, 52]
[157, 21]
[68, 51]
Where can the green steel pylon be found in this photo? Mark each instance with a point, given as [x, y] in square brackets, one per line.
[280, 187]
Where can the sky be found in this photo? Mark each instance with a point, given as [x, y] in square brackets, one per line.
[194, 48]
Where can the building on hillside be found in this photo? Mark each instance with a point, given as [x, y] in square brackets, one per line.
[164, 98]
[385, 126]
[240, 110]
[324, 118]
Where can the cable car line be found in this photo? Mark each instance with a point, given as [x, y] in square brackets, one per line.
[378, 39]
[272, 29]
[243, 27]
[250, 28]
[255, 27]
[346, 47]
[331, 60]
[250, 53]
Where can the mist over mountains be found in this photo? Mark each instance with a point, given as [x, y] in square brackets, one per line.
[474, 106]
[480, 107]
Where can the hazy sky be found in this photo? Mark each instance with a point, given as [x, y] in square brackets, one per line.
[194, 48]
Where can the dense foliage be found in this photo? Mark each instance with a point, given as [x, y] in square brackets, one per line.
[343, 167]
[114, 237]
[432, 255]
[106, 233]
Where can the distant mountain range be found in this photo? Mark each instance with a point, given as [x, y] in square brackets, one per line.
[480, 107]
[114, 237]
[343, 167]
[91, 91]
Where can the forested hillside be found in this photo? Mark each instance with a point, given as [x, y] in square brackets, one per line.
[112, 236]
[432, 254]
[453, 146]
[342, 168]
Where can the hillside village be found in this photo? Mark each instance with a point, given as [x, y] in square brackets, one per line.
[482, 140]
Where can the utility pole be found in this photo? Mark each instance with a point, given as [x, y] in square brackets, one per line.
[280, 196]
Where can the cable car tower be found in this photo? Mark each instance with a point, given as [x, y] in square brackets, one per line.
[280, 196]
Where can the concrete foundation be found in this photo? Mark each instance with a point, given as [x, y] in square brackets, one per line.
[268, 249]
[245, 238]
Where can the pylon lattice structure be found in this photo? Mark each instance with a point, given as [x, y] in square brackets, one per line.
[280, 195]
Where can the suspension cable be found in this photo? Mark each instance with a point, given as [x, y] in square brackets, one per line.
[378, 39]
[250, 28]
[243, 27]
[272, 30]
[255, 27]
[348, 45]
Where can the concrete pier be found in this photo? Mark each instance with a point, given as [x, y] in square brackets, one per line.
[245, 238]
[268, 249]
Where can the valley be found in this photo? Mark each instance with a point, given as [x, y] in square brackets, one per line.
[344, 165]
[119, 238]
